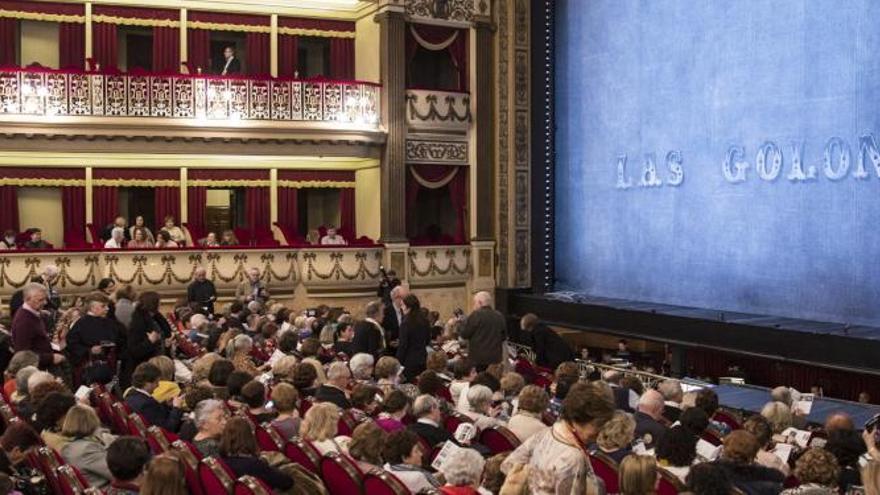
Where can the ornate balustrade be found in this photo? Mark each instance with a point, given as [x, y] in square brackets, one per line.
[321, 269]
[198, 99]
[433, 109]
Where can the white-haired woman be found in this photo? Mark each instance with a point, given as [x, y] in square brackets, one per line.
[361, 365]
[463, 471]
[482, 411]
[240, 350]
[210, 417]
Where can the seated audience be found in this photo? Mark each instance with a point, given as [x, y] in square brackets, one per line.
[210, 420]
[738, 460]
[649, 429]
[778, 415]
[285, 398]
[175, 232]
[676, 451]
[511, 384]
[394, 408]
[364, 402]
[304, 378]
[50, 413]
[240, 349]
[127, 458]
[555, 458]
[228, 238]
[532, 401]
[838, 421]
[8, 242]
[387, 372]
[848, 447]
[332, 238]
[404, 459]
[140, 399]
[817, 471]
[463, 471]
[140, 225]
[164, 241]
[343, 338]
[320, 426]
[239, 450]
[707, 400]
[429, 419]
[759, 426]
[210, 241]
[483, 411]
[361, 365]
[19, 360]
[429, 383]
[334, 390]
[366, 445]
[253, 394]
[116, 240]
[638, 475]
[87, 448]
[36, 240]
[616, 436]
[18, 441]
[708, 478]
[118, 222]
[165, 475]
[672, 397]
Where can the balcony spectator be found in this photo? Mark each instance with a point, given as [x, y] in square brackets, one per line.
[173, 230]
[230, 64]
[140, 239]
[36, 241]
[8, 241]
[210, 241]
[202, 291]
[332, 238]
[139, 224]
[119, 222]
[116, 240]
[165, 241]
[228, 238]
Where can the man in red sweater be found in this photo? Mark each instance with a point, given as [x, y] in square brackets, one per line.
[29, 329]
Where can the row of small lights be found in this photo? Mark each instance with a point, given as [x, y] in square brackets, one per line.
[548, 144]
[357, 105]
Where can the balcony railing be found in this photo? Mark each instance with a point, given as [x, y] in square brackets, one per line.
[196, 98]
[438, 110]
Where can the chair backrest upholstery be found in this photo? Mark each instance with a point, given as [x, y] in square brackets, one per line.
[158, 440]
[378, 482]
[712, 437]
[341, 474]
[215, 476]
[499, 439]
[191, 460]
[669, 484]
[303, 453]
[727, 418]
[346, 424]
[71, 481]
[606, 469]
[268, 438]
[137, 426]
[248, 485]
[454, 419]
[48, 461]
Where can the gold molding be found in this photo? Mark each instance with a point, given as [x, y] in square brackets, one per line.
[39, 16]
[135, 21]
[302, 184]
[175, 161]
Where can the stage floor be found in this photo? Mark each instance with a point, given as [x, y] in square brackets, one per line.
[851, 348]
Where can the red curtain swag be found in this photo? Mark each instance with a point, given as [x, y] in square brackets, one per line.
[9, 208]
[437, 35]
[456, 185]
[8, 33]
[257, 46]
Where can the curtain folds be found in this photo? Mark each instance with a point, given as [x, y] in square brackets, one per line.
[8, 33]
[342, 58]
[257, 46]
[166, 49]
[9, 208]
[104, 45]
[166, 202]
[288, 212]
[198, 47]
[196, 200]
[287, 55]
[105, 205]
[73, 207]
[71, 45]
[436, 38]
[256, 212]
[347, 225]
[454, 178]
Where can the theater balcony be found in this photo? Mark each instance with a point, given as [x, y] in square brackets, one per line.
[64, 103]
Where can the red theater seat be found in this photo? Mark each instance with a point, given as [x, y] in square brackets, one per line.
[606, 469]
[341, 474]
[499, 439]
[48, 461]
[248, 485]
[72, 482]
[191, 458]
[215, 476]
[378, 482]
[454, 419]
[304, 453]
[268, 438]
[346, 424]
[668, 483]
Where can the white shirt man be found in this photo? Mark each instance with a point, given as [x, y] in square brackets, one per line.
[116, 240]
[333, 239]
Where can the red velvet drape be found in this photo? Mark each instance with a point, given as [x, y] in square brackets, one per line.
[347, 220]
[166, 49]
[71, 45]
[198, 47]
[342, 58]
[9, 208]
[196, 199]
[457, 188]
[256, 212]
[287, 55]
[104, 45]
[288, 211]
[166, 202]
[458, 49]
[73, 207]
[8, 33]
[105, 205]
[257, 46]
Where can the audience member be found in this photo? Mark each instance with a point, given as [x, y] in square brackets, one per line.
[8, 242]
[369, 336]
[252, 288]
[29, 331]
[164, 240]
[140, 225]
[165, 475]
[116, 240]
[527, 420]
[127, 459]
[320, 427]
[87, 448]
[649, 429]
[367, 442]
[638, 475]
[676, 451]
[228, 239]
[50, 414]
[140, 240]
[550, 349]
[759, 426]
[428, 426]
[174, 231]
[414, 338]
[394, 409]
[140, 399]
[463, 471]
[364, 402]
[404, 459]
[616, 436]
[737, 459]
[708, 479]
[333, 238]
[239, 450]
[778, 415]
[334, 390]
[485, 330]
[848, 447]
[35, 241]
[285, 398]
[672, 397]
[202, 291]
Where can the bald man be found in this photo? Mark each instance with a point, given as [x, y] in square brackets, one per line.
[485, 330]
[649, 427]
[202, 291]
[838, 421]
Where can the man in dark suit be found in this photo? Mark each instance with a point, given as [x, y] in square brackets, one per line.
[550, 349]
[93, 342]
[426, 409]
[369, 334]
[140, 399]
[485, 330]
[649, 429]
[29, 328]
[415, 336]
[230, 64]
[393, 317]
[333, 390]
